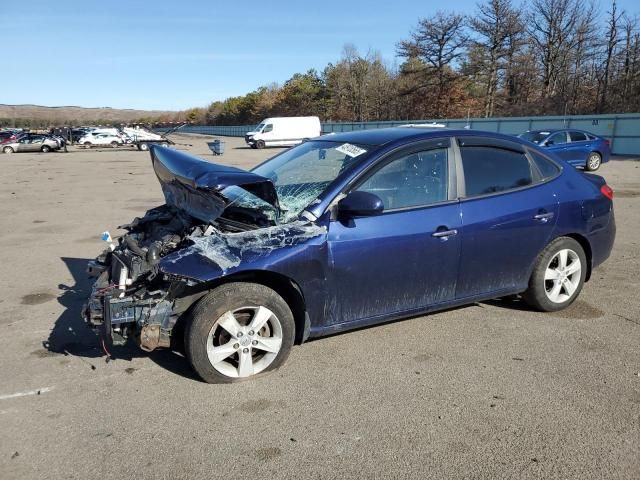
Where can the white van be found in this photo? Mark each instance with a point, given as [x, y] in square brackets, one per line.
[283, 131]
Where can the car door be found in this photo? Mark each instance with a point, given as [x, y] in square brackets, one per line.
[30, 144]
[407, 257]
[578, 148]
[557, 143]
[268, 134]
[509, 210]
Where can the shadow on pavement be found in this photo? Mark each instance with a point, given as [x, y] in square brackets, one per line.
[72, 336]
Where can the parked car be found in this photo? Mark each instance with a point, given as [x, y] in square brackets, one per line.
[283, 132]
[577, 147]
[78, 133]
[100, 139]
[8, 136]
[342, 232]
[31, 142]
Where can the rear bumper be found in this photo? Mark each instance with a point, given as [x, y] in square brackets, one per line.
[602, 242]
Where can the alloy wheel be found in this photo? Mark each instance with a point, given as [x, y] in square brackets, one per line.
[562, 276]
[594, 161]
[244, 342]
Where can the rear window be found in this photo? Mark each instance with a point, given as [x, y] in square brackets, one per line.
[577, 136]
[490, 170]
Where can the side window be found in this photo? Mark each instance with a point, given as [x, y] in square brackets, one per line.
[557, 138]
[413, 180]
[491, 169]
[546, 167]
[577, 136]
[268, 128]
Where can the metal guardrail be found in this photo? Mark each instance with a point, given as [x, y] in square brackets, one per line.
[622, 130]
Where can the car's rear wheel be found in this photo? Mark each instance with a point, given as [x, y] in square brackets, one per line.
[87, 144]
[558, 276]
[8, 150]
[114, 144]
[594, 161]
[260, 144]
[238, 331]
[45, 149]
[144, 147]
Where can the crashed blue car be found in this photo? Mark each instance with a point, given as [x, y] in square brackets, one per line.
[340, 232]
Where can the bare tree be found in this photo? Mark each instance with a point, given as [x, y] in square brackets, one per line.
[438, 42]
[610, 49]
[494, 23]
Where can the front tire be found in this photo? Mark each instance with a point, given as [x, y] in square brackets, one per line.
[558, 276]
[8, 150]
[238, 331]
[114, 144]
[594, 161]
[87, 144]
[144, 147]
[260, 144]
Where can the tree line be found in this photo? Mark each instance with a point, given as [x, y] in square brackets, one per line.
[548, 57]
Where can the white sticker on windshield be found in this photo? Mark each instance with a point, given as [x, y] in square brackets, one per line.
[350, 150]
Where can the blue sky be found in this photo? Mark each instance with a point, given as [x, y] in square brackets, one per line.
[176, 55]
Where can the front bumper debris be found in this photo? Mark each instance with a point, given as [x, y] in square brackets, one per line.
[147, 317]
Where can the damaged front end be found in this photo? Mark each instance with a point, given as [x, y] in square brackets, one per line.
[131, 298]
[215, 216]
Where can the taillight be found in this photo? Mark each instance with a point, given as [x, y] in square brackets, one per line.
[607, 191]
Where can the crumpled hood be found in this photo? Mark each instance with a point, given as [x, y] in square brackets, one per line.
[195, 186]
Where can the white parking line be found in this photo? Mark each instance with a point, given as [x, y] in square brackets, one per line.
[27, 393]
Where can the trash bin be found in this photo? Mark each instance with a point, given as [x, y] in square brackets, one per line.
[216, 147]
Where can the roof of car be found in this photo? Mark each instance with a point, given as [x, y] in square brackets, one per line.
[382, 136]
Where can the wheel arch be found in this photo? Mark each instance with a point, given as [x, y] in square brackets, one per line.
[283, 285]
[586, 246]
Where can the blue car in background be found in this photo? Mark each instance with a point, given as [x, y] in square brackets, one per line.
[576, 147]
[341, 232]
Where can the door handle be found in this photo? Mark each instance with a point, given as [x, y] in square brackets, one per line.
[444, 233]
[544, 217]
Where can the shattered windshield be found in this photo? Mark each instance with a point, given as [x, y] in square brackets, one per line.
[299, 175]
[302, 173]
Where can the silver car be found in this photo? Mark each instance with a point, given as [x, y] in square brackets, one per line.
[31, 143]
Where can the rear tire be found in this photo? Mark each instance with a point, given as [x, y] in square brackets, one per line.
[260, 144]
[8, 150]
[45, 149]
[114, 144]
[220, 356]
[594, 160]
[144, 147]
[558, 276]
[87, 144]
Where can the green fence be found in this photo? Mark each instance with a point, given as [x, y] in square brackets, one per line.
[622, 130]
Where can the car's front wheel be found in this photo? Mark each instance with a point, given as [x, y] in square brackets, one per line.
[238, 331]
[260, 144]
[114, 144]
[87, 144]
[558, 276]
[594, 161]
[7, 150]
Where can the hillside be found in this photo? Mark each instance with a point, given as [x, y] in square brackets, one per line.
[37, 115]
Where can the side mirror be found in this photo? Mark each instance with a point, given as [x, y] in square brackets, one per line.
[548, 143]
[360, 204]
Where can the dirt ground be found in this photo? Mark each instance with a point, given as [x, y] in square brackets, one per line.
[491, 390]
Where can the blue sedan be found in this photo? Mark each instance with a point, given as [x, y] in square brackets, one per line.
[576, 147]
[341, 232]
